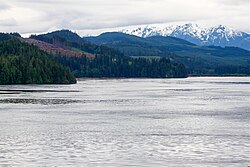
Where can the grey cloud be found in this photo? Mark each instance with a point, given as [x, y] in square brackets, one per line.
[233, 2]
[82, 15]
[10, 22]
[4, 7]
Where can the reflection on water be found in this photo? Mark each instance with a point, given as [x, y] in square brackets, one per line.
[39, 101]
[127, 122]
[232, 82]
[17, 91]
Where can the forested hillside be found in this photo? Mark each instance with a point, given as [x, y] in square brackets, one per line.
[21, 63]
[199, 60]
[108, 62]
[122, 66]
[70, 40]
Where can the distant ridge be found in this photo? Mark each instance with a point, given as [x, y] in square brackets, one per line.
[198, 59]
[214, 36]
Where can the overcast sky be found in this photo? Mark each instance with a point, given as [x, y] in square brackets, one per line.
[91, 16]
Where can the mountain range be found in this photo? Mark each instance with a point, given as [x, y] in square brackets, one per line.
[86, 59]
[116, 54]
[213, 36]
[198, 59]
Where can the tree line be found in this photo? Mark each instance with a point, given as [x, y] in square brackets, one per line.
[21, 63]
[122, 66]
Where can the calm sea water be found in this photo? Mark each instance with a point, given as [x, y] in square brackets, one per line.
[127, 122]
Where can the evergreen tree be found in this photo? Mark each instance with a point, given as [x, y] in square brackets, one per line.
[21, 63]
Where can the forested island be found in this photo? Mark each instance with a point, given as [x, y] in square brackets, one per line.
[21, 63]
[59, 58]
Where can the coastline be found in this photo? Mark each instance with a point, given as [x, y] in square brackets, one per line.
[193, 76]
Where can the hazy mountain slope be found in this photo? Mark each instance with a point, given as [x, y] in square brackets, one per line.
[195, 57]
[163, 45]
[132, 45]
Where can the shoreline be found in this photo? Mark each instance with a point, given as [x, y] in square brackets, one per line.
[120, 78]
[198, 76]
[218, 76]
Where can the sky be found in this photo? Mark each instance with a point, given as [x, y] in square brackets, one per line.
[89, 17]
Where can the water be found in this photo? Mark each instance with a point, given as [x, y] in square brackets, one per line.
[127, 122]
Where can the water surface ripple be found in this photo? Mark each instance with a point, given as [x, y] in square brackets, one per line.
[127, 122]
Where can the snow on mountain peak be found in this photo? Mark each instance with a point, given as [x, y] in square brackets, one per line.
[187, 29]
[218, 35]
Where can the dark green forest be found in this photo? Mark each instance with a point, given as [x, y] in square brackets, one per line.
[109, 62]
[122, 66]
[21, 63]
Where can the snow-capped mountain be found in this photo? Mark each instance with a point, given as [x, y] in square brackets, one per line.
[217, 36]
